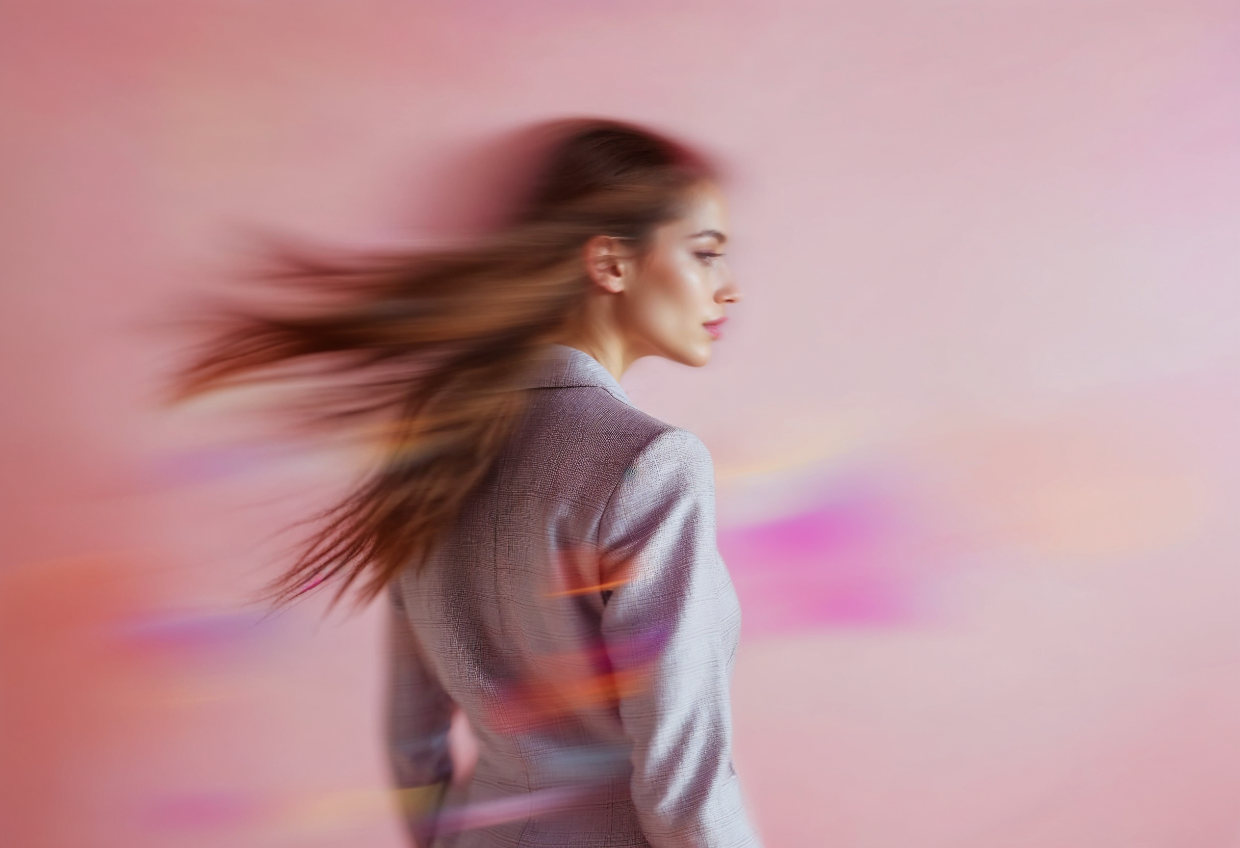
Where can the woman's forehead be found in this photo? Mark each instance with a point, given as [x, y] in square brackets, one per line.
[706, 213]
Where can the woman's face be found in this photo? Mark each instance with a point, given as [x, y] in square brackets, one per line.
[677, 292]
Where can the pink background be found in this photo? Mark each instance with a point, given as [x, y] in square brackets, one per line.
[975, 422]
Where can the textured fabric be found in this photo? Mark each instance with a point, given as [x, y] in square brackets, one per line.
[580, 615]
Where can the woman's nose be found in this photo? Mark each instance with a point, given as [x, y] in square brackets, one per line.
[729, 292]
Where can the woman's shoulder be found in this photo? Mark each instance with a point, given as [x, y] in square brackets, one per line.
[672, 458]
[582, 444]
[590, 418]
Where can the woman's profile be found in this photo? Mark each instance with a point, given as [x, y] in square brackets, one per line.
[547, 549]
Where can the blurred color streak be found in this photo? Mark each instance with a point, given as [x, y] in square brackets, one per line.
[207, 465]
[1099, 483]
[486, 813]
[855, 558]
[188, 633]
[209, 811]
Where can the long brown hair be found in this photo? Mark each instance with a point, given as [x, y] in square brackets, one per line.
[434, 345]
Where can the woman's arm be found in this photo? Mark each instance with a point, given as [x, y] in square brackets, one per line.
[666, 629]
[418, 718]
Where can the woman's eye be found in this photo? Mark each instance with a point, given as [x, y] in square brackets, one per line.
[708, 256]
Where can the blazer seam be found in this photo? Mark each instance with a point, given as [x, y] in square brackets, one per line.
[598, 527]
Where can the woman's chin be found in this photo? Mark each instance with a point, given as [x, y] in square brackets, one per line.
[697, 355]
[694, 354]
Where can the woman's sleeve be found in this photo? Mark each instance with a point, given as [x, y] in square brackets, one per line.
[419, 714]
[667, 628]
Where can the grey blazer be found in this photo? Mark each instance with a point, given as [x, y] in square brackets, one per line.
[579, 614]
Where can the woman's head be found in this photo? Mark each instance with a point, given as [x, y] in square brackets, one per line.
[668, 296]
[655, 282]
[616, 249]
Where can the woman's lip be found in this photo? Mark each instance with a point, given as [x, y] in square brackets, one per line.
[714, 327]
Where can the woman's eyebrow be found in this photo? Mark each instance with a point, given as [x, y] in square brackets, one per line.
[715, 233]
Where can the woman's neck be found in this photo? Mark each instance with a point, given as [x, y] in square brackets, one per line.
[600, 337]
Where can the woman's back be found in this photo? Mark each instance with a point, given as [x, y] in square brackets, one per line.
[580, 616]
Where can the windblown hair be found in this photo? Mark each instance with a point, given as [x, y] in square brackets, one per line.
[434, 345]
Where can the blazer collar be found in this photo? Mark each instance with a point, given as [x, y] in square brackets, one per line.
[563, 366]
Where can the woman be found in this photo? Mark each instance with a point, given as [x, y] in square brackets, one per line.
[547, 549]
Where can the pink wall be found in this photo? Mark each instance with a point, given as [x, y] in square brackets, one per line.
[975, 422]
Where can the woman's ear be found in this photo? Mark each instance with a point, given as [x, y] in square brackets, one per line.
[606, 262]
